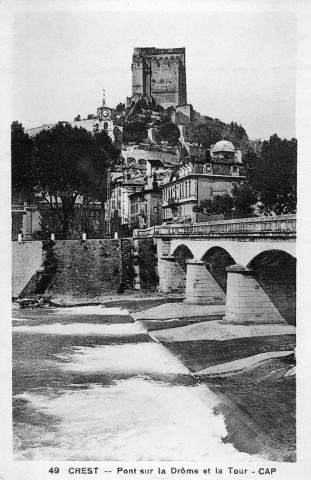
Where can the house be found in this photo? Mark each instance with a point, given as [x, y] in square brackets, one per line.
[195, 181]
[146, 208]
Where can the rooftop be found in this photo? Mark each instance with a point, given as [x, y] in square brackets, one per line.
[223, 146]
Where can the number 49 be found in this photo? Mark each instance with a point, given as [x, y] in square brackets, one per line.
[54, 470]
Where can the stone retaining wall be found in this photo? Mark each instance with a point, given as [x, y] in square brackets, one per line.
[27, 258]
[86, 268]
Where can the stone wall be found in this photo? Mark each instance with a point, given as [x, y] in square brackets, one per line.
[127, 264]
[282, 292]
[165, 81]
[277, 277]
[201, 287]
[144, 154]
[86, 268]
[137, 76]
[27, 258]
[160, 73]
[146, 255]
[246, 301]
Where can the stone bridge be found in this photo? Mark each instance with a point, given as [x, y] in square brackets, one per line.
[249, 265]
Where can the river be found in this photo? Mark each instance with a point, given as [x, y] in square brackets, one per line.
[89, 384]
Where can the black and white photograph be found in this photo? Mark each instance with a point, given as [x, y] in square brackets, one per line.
[152, 217]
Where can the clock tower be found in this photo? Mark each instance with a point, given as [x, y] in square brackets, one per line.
[104, 117]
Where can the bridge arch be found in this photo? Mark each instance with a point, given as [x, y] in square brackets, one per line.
[247, 250]
[275, 271]
[182, 253]
[242, 252]
[216, 261]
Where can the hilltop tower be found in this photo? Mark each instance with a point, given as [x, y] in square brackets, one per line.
[160, 73]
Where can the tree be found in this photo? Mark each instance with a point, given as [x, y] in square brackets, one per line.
[219, 204]
[21, 162]
[239, 203]
[120, 108]
[77, 118]
[91, 116]
[207, 131]
[169, 132]
[272, 172]
[135, 131]
[71, 162]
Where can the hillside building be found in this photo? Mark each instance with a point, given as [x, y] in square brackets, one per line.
[196, 181]
[134, 198]
[117, 206]
[146, 208]
[159, 73]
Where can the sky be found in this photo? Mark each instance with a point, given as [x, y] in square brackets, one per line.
[240, 64]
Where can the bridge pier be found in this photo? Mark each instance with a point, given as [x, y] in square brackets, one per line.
[201, 287]
[172, 278]
[246, 300]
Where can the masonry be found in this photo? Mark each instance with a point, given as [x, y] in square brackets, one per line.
[84, 268]
[248, 265]
[87, 268]
[27, 259]
[160, 73]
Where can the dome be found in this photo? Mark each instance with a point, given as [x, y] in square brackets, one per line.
[223, 146]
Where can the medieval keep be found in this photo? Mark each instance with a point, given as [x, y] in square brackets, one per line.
[159, 73]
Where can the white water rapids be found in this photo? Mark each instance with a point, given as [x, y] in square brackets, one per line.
[111, 401]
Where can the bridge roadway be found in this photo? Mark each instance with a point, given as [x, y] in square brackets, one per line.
[247, 264]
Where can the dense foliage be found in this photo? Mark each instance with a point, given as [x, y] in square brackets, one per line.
[207, 131]
[168, 132]
[60, 164]
[71, 162]
[239, 204]
[272, 173]
[135, 132]
[22, 177]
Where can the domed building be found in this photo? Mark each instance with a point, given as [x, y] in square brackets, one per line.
[223, 146]
[225, 150]
[200, 180]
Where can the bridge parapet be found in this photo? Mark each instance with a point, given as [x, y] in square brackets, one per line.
[282, 226]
